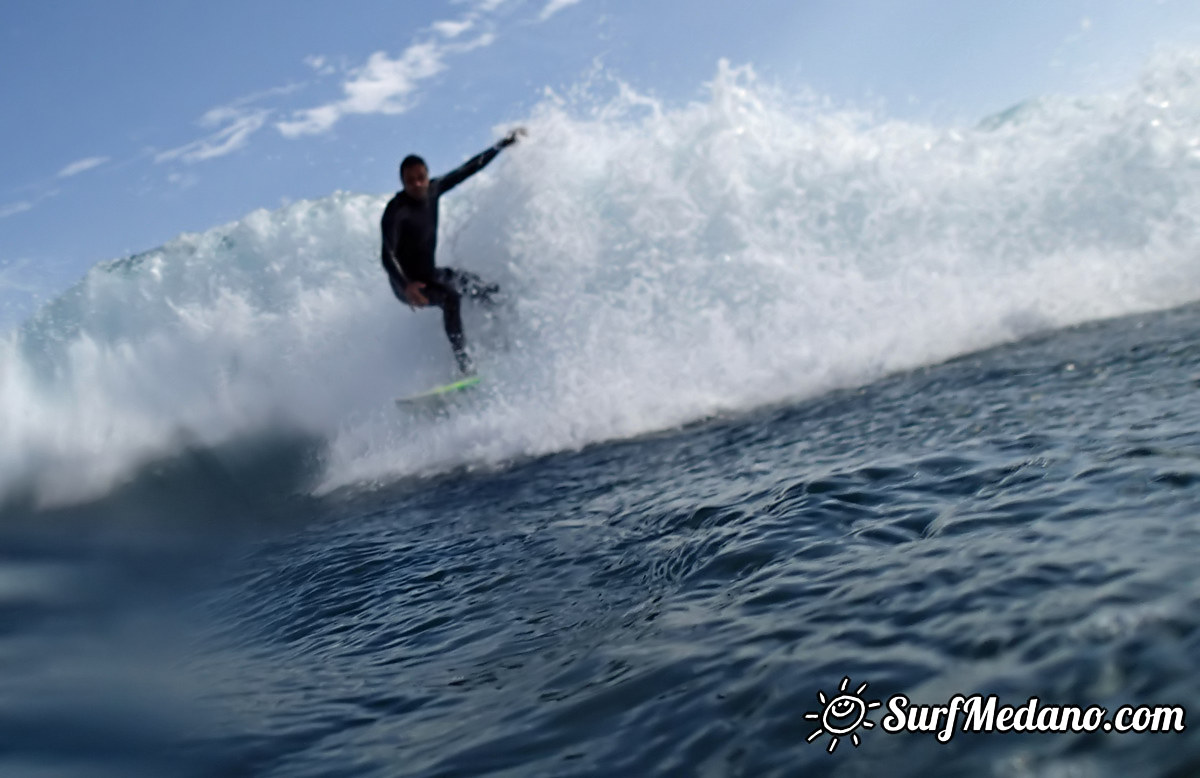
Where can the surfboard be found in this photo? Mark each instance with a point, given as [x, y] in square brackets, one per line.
[439, 394]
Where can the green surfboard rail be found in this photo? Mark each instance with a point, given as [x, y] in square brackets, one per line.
[442, 391]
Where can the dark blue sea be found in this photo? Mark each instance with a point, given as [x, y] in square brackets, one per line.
[1020, 522]
[791, 410]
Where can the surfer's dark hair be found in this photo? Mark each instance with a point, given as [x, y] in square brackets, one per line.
[411, 160]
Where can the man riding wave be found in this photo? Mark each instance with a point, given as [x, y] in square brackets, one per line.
[409, 228]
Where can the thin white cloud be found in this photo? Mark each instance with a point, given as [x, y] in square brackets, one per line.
[311, 121]
[452, 29]
[75, 168]
[487, 39]
[12, 209]
[320, 64]
[182, 180]
[275, 91]
[233, 125]
[239, 125]
[382, 86]
[554, 6]
[387, 85]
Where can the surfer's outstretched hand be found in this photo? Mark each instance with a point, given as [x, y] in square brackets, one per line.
[513, 137]
[414, 296]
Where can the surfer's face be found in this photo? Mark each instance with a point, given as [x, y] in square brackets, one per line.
[416, 181]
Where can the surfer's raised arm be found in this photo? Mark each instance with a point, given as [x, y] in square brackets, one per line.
[478, 162]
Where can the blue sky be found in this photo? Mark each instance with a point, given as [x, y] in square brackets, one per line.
[126, 123]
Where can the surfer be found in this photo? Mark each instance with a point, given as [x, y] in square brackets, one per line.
[409, 227]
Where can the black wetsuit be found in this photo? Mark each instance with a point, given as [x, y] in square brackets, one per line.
[410, 240]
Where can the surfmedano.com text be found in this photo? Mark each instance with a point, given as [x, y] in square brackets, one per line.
[985, 714]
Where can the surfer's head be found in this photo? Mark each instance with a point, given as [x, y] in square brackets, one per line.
[414, 174]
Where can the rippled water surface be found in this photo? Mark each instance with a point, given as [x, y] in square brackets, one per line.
[1021, 522]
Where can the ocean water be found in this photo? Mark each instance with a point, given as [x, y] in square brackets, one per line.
[785, 393]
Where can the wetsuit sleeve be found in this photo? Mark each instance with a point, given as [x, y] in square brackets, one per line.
[469, 168]
[391, 263]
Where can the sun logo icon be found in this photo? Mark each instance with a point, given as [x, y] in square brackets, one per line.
[842, 715]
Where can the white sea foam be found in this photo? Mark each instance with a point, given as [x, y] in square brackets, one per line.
[665, 262]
